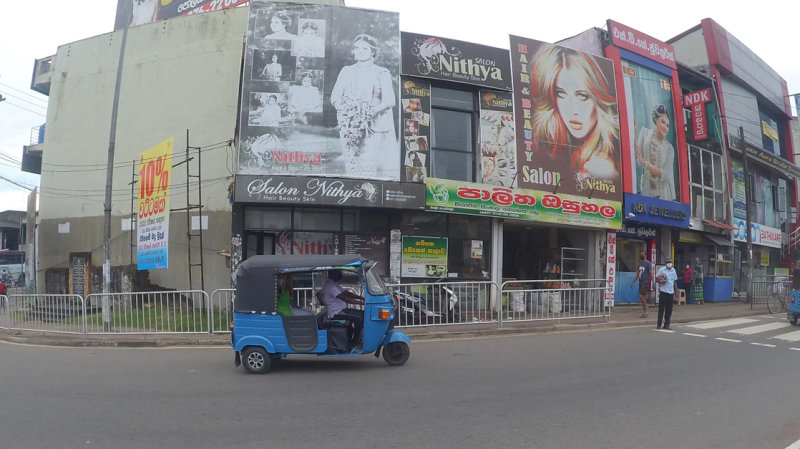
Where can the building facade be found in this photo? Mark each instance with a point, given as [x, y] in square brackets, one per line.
[311, 128]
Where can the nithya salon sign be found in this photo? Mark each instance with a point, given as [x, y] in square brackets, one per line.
[328, 192]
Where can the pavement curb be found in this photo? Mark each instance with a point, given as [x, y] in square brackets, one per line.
[418, 334]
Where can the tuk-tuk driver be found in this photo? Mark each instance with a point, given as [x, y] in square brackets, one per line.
[336, 299]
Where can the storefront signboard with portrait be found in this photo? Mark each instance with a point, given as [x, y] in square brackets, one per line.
[567, 121]
[416, 103]
[424, 257]
[319, 99]
[654, 160]
[498, 139]
[443, 195]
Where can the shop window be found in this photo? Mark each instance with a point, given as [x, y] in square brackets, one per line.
[705, 169]
[316, 219]
[424, 223]
[452, 134]
[365, 220]
[267, 218]
[451, 149]
[463, 226]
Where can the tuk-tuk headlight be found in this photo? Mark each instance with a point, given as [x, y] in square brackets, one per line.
[384, 314]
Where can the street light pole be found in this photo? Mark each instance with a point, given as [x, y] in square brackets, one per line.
[112, 142]
[749, 233]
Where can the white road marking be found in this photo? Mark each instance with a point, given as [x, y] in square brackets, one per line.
[694, 335]
[794, 349]
[795, 445]
[669, 331]
[762, 344]
[760, 328]
[789, 336]
[722, 323]
[728, 339]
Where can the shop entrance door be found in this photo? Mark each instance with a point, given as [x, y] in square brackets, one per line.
[626, 291]
[258, 243]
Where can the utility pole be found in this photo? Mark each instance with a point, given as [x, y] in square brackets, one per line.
[749, 233]
[112, 142]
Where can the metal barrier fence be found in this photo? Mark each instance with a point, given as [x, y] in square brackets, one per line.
[44, 313]
[439, 303]
[187, 311]
[196, 312]
[769, 286]
[554, 300]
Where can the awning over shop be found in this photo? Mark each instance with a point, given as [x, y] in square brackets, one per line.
[718, 224]
[718, 239]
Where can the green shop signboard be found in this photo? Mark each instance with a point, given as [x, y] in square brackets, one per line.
[461, 197]
[424, 257]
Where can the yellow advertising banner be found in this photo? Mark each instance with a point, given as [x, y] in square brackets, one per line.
[155, 167]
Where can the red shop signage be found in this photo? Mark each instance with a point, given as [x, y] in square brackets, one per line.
[697, 102]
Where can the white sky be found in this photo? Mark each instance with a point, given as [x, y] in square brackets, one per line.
[35, 28]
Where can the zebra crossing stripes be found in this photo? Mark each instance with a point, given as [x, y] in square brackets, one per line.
[791, 336]
[760, 328]
[722, 323]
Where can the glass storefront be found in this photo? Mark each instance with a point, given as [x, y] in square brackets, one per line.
[301, 230]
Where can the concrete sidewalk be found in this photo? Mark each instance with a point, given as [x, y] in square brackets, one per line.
[621, 316]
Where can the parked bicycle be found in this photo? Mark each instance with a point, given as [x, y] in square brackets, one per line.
[778, 299]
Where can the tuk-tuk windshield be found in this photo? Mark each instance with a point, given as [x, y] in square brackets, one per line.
[375, 285]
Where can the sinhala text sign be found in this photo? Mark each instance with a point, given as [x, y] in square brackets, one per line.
[152, 233]
[424, 257]
[479, 199]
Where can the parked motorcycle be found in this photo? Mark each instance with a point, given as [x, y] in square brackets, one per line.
[438, 305]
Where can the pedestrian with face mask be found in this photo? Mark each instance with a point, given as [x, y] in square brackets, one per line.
[643, 276]
[666, 278]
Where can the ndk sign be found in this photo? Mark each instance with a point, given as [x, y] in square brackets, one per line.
[697, 102]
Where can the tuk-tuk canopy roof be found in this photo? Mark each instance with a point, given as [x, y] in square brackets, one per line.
[256, 287]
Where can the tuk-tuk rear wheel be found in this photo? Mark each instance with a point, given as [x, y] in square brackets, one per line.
[256, 360]
[396, 353]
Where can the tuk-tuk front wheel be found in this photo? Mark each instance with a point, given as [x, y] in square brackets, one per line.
[256, 360]
[396, 353]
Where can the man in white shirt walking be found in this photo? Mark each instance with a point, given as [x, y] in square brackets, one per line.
[666, 278]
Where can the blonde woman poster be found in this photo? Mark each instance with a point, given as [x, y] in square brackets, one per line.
[571, 144]
[655, 163]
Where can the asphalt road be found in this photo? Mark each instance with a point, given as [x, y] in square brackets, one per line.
[614, 388]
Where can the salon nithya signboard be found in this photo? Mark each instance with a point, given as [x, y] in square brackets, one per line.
[321, 191]
[462, 197]
[447, 59]
[761, 234]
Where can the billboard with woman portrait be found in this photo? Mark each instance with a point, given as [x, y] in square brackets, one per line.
[651, 115]
[320, 92]
[567, 121]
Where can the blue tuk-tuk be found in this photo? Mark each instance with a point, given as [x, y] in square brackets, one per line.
[265, 329]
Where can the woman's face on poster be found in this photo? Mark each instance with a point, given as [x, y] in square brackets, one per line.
[276, 24]
[575, 105]
[662, 125]
[362, 51]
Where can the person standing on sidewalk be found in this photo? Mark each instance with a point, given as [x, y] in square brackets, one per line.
[643, 275]
[687, 280]
[666, 278]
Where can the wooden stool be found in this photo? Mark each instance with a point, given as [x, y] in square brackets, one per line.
[680, 296]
